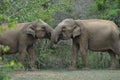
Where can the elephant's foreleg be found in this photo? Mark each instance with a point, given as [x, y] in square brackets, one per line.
[84, 59]
[83, 49]
[113, 56]
[74, 56]
[22, 53]
[22, 49]
[31, 52]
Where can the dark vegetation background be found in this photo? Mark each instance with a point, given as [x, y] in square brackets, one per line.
[52, 12]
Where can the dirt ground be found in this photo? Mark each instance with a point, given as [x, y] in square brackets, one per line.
[67, 75]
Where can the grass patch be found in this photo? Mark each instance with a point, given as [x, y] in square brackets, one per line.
[68, 75]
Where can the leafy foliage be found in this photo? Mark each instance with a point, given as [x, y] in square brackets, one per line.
[3, 76]
[107, 9]
[7, 66]
[17, 11]
[30, 10]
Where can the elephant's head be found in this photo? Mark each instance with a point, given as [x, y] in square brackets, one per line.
[39, 29]
[67, 29]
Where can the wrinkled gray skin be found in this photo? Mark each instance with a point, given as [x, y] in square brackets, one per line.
[22, 38]
[93, 34]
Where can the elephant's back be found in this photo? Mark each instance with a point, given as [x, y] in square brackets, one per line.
[101, 33]
[12, 34]
[10, 38]
[99, 25]
[103, 26]
[14, 27]
[21, 25]
[98, 22]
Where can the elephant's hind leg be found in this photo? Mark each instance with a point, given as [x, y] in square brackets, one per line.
[32, 56]
[116, 48]
[113, 57]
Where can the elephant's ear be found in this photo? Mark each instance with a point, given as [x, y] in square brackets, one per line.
[30, 30]
[76, 31]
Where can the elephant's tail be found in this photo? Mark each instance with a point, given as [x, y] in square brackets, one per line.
[0, 42]
[118, 58]
[119, 35]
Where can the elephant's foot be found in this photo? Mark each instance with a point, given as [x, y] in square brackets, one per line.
[33, 69]
[85, 68]
[72, 68]
[112, 68]
[21, 69]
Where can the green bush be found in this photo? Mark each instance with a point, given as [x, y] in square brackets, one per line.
[3, 76]
[103, 9]
[16, 11]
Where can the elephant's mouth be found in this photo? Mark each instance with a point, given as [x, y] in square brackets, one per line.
[60, 37]
[47, 35]
[36, 37]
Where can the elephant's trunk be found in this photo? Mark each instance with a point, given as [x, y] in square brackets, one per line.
[52, 44]
[49, 32]
[52, 36]
[56, 36]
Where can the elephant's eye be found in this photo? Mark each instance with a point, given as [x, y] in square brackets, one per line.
[32, 28]
[63, 28]
[43, 27]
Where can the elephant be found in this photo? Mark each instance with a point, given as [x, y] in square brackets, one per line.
[22, 38]
[92, 34]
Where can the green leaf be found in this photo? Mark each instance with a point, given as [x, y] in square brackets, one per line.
[6, 48]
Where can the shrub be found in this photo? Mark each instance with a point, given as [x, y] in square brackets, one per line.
[103, 9]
